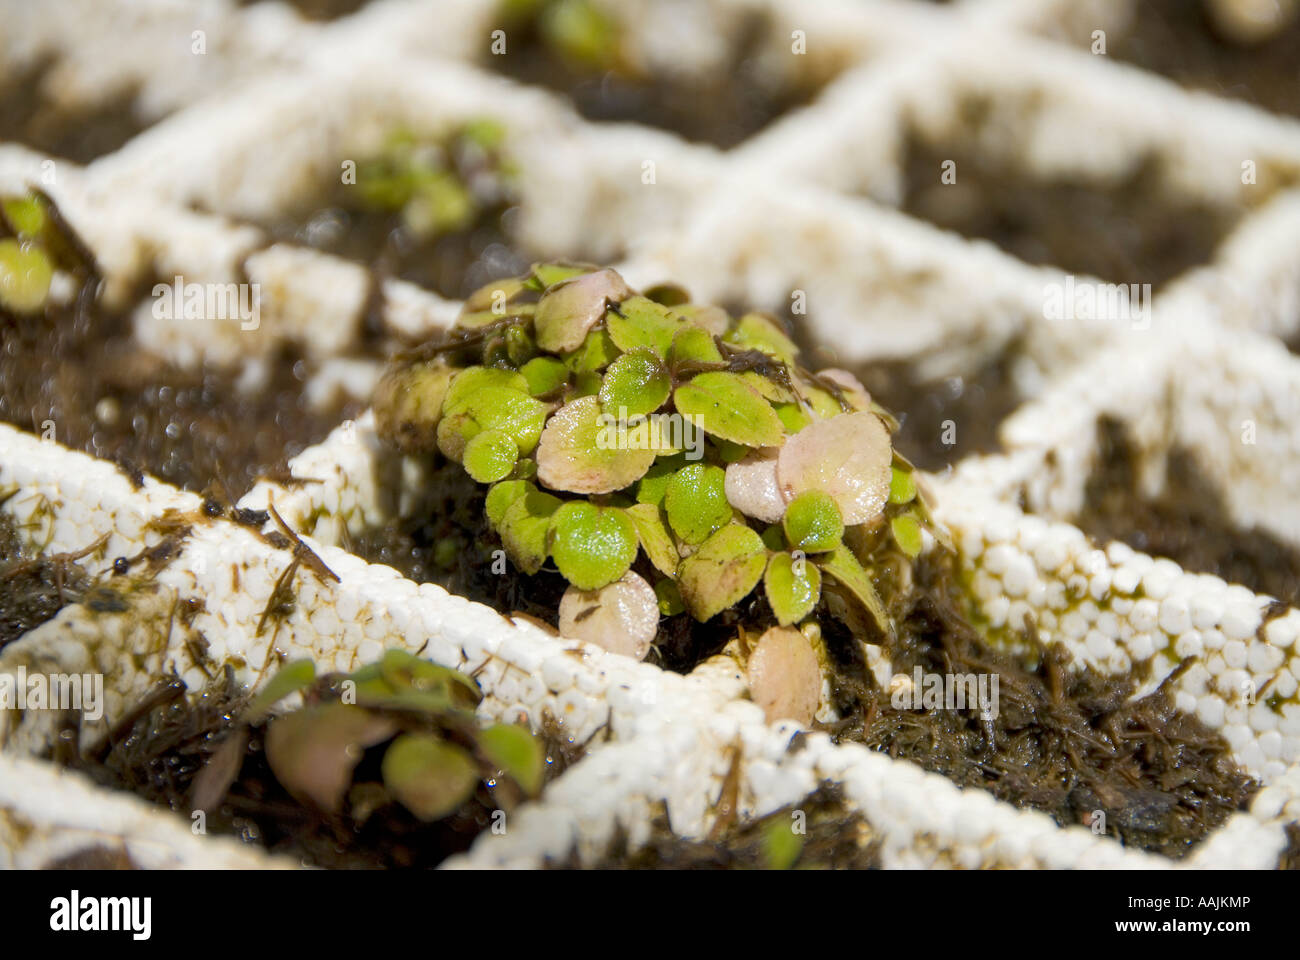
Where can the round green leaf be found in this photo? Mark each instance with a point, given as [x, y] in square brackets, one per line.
[581, 451]
[515, 752]
[725, 406]
[694, 345]
[793, 586]
[544, 375]
[525, 528]
[427, 776]
[592, 545]
[902, 486]
[670, 598]
[501, 496]
[635, 383]
[490, 456]
[25, 275]
[26, 215]
[723, 571]
[812, 522]
[596, 352]
[755, 331]
[642, 324]
[907, 534]
[696, 501]
[655, 539]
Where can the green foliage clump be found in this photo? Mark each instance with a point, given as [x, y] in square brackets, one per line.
[26, 261]
[438, 185]
[611, 426]
[436, 752]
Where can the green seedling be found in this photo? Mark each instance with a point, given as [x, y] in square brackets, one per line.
[663, 456]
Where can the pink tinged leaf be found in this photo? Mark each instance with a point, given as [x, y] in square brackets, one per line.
[571, 308]
[752, 488]
[313, 751]
[622, 617]
[784, 676]
[853, 389]
[847, 457]
[579, 452]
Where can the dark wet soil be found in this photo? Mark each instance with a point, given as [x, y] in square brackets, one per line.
[941, 420]
[29, 116]
[158, 754]
[1134, 231]
[1064, 742]
[77, 375]
[1187, 522]
[453, 265]
[1177, 38]
[832, 839]
[723, 109]
[33, 588]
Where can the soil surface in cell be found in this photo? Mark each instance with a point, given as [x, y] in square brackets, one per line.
[452, 265]
[1180, 40]
[33, 588]
[76, 374]
[158, 750]
[30, 115]
[1131, 231]
[1063, 741]
[1187, 522]
[832, 839]
[723, 108]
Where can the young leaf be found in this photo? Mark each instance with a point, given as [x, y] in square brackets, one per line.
[696, 501]
[781, 845]
[752, 489]
[784, 676]
[501, 496]
[592, 545]
[514, 751]
[654, 537]
[525, 529]
[756, 331]
[544, 375]
[642, 324]
[621, 617]
[730, 408]
[847, 457]
[694, 345]
[490, 456]
[570, 308]
[25, 275]
[902, 486]
[793, 587]
[427, 776]
[670, 598]
[290, 678]
[637, 383]
[313, 751]
[723, 571]
[579, 452]
[907, 534]
[812, 522]
[844, 568]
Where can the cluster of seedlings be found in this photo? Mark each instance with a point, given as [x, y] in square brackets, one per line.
[429, 209]
[586, 49]
[669, 460]
[388, 766]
